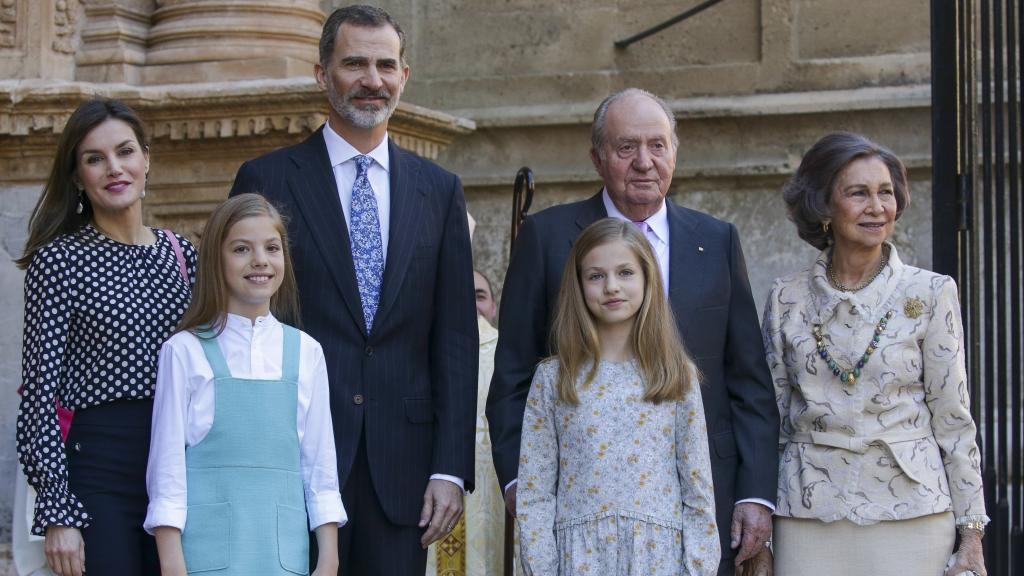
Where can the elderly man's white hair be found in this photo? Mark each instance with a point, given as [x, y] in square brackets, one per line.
[597, 130]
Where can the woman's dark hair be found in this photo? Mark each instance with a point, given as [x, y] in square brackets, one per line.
[56, 211]
[809, 192]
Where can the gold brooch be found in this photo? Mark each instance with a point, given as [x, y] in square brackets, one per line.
[913, 307]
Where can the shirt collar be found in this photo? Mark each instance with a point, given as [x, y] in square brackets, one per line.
[243, 325]
[657, 222]
[339, 151]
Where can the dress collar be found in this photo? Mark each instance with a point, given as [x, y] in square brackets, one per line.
[874, 299]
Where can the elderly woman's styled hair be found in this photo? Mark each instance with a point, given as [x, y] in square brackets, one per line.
[809, 192]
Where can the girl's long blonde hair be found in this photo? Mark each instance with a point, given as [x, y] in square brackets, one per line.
[209, 307]
[666, 367]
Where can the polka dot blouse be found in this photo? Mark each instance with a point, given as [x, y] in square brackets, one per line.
[96, 313]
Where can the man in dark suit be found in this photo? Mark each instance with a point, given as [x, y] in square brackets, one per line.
[634, 151]
[380, 245]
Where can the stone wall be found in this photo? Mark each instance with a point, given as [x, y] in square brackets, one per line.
[753, 82]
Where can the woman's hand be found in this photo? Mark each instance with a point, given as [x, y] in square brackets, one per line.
[65, 550]
[970, 556]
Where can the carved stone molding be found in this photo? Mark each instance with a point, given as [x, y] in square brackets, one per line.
[8, 23]
[114, 40]
[200, 133]
[213, 111]
[65, 18]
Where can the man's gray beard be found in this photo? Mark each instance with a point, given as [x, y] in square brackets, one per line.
[364, 119]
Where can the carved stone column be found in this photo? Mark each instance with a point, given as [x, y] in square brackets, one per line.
[222, 40]
[114, 40]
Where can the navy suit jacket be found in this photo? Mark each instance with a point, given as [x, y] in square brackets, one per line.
[410, 384]
[714, 309]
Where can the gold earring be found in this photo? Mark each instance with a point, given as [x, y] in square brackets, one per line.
[825, 227]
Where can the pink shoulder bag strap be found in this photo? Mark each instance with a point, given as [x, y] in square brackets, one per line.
[182, 267]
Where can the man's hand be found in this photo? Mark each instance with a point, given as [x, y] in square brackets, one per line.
[442, 506]
[510, 500]
[762, 564]
[65, 550]
[751, 528]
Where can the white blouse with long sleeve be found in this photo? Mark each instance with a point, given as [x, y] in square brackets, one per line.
[183, 413]
[900, 442]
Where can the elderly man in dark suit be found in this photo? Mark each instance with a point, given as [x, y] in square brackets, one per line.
[634, 151]
[380, 244]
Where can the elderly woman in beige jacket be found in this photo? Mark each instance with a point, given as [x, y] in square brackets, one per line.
[878, 460]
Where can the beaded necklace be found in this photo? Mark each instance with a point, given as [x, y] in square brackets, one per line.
[834, 278]
[849, 375]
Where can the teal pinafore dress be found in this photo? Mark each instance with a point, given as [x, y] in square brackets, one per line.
[246, 505]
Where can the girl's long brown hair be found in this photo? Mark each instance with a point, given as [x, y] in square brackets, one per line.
[56, 211]
[209, 307]
[667, 369]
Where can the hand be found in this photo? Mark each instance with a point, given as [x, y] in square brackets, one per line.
[442, 506]
[762, 564]
[969, 556]
[510, 500]
[65, 550]
[751, 528]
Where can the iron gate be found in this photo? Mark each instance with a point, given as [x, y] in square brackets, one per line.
[977, 53]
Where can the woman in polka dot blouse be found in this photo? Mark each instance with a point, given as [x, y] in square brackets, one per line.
[102, 293]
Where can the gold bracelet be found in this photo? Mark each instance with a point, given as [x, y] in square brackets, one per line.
[978, 526]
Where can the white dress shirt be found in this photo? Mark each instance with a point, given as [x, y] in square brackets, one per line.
[183, 413]
[342, 156]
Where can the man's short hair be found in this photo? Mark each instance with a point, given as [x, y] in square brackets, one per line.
[598, 136]
[357, 15]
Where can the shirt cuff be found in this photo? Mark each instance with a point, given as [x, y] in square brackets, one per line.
[972, 518]
[325, 508]
[164, 513]
[453, 479]
[760, 501]
[511, 484]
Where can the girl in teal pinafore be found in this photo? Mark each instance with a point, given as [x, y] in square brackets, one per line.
[242, 464]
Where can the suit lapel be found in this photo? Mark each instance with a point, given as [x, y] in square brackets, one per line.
[686, 258]
[591, 211]
[408, 211]
[316, 194]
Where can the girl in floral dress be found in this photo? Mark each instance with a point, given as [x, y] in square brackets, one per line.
[614, 472]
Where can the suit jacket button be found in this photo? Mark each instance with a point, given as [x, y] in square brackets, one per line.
[357, 399]
[369, 350]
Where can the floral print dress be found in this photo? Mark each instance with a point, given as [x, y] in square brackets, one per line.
[614, 485]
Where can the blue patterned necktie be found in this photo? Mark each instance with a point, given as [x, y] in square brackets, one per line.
[367, 247]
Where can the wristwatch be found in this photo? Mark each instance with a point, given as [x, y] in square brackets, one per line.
[979, 526]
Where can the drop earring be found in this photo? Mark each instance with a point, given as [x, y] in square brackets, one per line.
[81, 207]
[144, 186]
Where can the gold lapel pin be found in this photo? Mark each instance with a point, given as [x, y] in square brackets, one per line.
[913, 307]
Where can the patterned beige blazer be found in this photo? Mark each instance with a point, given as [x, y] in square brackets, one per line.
[898, 443]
